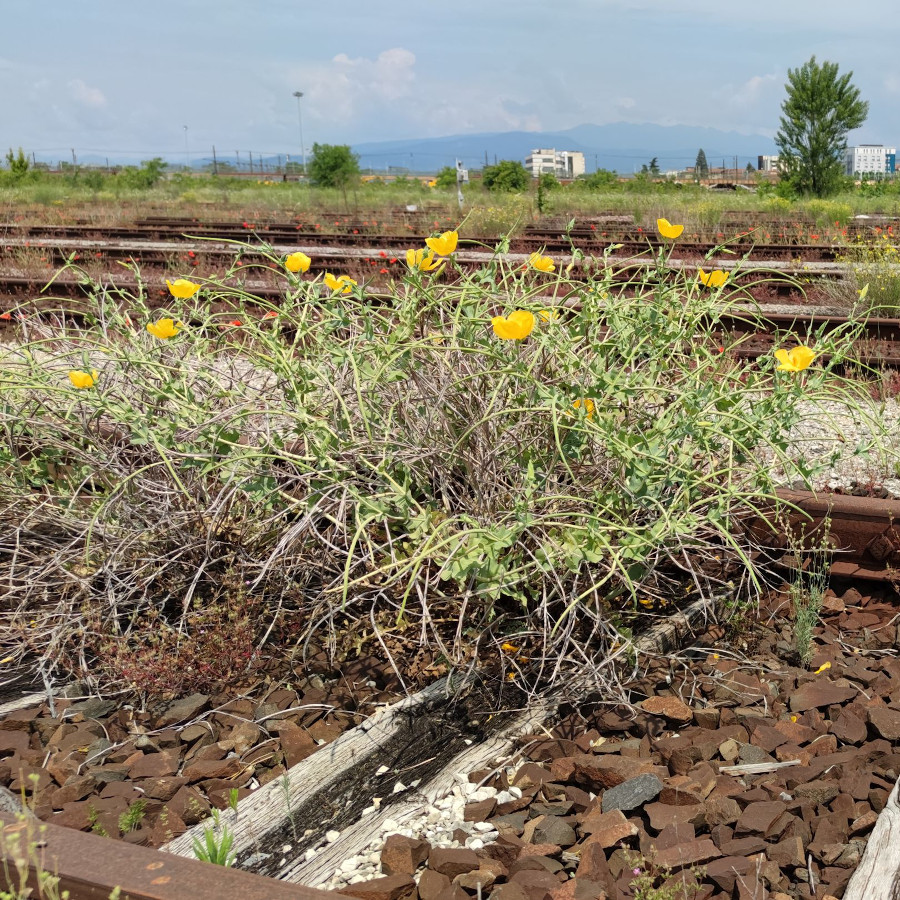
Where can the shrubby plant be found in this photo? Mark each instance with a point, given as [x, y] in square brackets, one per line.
[509, 450]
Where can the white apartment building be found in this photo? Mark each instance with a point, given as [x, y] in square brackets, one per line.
[870, 159]
[767, 164]
[561, 163]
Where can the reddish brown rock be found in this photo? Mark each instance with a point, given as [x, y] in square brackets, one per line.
[431, 884]
[672, 708]
[163, 788]
[787, 852]
[722, 811]
[154, 765]
[692, 853]
[215, 768]
[886, 723]
[607, 828]
[390, 887]
[817, 791]
[819, 693]
[849, 728]
[182, 710]
[600, 772]
[661, 815]
[759, 818]
[76, 788]
[403, 855]
[452, 862]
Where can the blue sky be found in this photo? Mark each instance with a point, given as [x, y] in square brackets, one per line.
[118, 77]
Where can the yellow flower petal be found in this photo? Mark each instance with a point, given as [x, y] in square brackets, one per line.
[422, 260]
[297, 262]
[795, 360]
[341, 283]
[668, 230]
[445, 244]
[587, 404]
[83, 379]
[515, 327]
[822, 668]
[164, 328]
[549, 315]
[541, 263]
[713, 279]
[182, 288]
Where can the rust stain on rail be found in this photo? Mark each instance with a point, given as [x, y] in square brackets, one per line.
[91, 867]
[864, 531]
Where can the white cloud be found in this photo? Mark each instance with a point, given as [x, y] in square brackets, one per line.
[754, 89]
[86, 95]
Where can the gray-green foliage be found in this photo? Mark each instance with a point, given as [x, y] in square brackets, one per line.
[820, 108]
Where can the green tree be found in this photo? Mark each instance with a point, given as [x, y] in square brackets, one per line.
[446, 178]
[507, 175]
[601, 179]
[820, 108]
[701, 166]
[751, 167]
[333, 165]
[654, 166]
[18, 164]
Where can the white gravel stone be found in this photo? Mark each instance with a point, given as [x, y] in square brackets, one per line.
[515, 793]
[482, 826]
[474, 843]
[330, 836]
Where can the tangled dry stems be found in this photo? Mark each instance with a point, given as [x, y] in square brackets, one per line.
[346, 474]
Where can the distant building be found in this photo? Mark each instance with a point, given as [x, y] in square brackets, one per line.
[561, 163]
[870, 159]
[767, 164]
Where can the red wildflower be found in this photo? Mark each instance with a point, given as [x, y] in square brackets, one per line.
[383, 271]
[393, 259]
[356, 231]
[382, 254]
[271, 314]
[191, 254]
[5, 316]
[593, 227]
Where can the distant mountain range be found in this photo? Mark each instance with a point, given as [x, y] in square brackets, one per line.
[620, 146]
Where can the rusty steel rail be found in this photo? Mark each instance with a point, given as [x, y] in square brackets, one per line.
[90, 867]
[864, 531]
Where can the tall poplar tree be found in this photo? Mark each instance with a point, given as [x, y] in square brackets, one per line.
[820, 108]
[701, 167]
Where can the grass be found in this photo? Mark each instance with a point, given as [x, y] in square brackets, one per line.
[107, 199]
[396, 472]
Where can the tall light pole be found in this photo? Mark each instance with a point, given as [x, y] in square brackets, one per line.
[187, 152]
[298, 95]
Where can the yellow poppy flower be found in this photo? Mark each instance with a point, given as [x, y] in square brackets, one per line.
[507, 647]
[340, 283]
[164, 328]
[443, 245]
[541, 263]
[422, 260]
[669, 231]
[83, 379]
[713, 279]
[822, 668]
[795, 360]
[549, 315]
[182, 288]
[297, 262]
[515, 327]
[587, 404]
